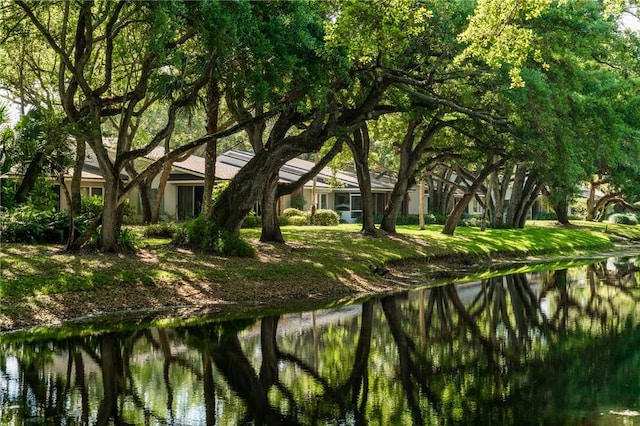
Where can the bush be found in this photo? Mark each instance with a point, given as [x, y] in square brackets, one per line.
[545, 216]
[26, 224]
[127, 240]
[298, 202]
[252, 221]
[91, 205]
[161, 230]
[293, 220]
[325, 217]
[201, 233]
[290, 212]
[471, 221]
[623, 219]
[414, 219]
[7, 193]
[230, 245]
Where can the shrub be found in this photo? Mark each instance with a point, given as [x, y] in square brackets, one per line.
[290, 212]
[325, 217]
[230, 245]
[126, 240]
[623, 219]
[252, 221]
[43, 196]
[161, 230]
[298, 202]
[91, 205]
[545, 216]
[471, 221]
[7, 193]
[26, 224]
[414, 219]
[201, 233]
[293, 220]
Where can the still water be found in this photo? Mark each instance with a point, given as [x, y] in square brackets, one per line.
[548, 348]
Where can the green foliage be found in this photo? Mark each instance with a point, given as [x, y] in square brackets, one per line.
[26, 224]
[6, 141]
[471, 221]
[230, 245]
[91, 205]
[302, 220]
[43, 196]
[252, 221]
[325, 217]
[202, 233]
[126, 240]
[42, 138]
[298, 202]
[545, 216]
[7, 194]
[414, 219]
[291, 211]
[162, 230]
[623, 219]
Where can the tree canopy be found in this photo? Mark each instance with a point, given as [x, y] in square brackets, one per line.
[547, 88]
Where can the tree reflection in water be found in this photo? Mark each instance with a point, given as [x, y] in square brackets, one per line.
[556, 347]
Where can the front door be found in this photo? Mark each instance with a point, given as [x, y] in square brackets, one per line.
[185, 202]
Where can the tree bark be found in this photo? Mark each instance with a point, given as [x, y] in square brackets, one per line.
[591, 201]
[30, 176]
[214, 96]
[559, 201]
[76, 179]
[162, 185]
[270, 227]
[360, 145]
[500, 188]
[68, 198]
[528, 197]
[110, 222]
[516, 194]
[410, 156]
[421, 204]
[144, 189]
[456, 214]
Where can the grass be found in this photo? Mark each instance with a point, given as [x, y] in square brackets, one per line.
[43, 284]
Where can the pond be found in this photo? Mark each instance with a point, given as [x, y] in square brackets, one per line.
[551, 347]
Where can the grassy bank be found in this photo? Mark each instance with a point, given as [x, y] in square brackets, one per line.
[41, 285]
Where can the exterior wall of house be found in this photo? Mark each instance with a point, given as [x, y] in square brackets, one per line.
[87, 188]
[414, 201]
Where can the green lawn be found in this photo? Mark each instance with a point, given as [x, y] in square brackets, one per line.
[310, 252]
[318, 266]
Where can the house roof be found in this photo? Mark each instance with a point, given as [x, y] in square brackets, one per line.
[295, 168]
[230, 162]
[195, 165]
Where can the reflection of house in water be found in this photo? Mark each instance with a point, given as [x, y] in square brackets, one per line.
[304, 321]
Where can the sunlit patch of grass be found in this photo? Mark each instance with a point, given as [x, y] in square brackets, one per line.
[311, 253]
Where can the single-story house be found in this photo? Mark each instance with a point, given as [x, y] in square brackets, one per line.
[334, 190]
[337, 191]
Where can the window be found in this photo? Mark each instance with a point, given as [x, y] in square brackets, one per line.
[189, 201]
[343, 202]
[87, 191]
[322, 201]
[356, 207]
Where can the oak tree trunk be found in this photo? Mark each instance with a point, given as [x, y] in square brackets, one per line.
[76, 179]
[270, 226]
[214, 95]
[359, 145]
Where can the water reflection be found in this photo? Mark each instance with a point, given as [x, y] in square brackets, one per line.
[559, 347]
